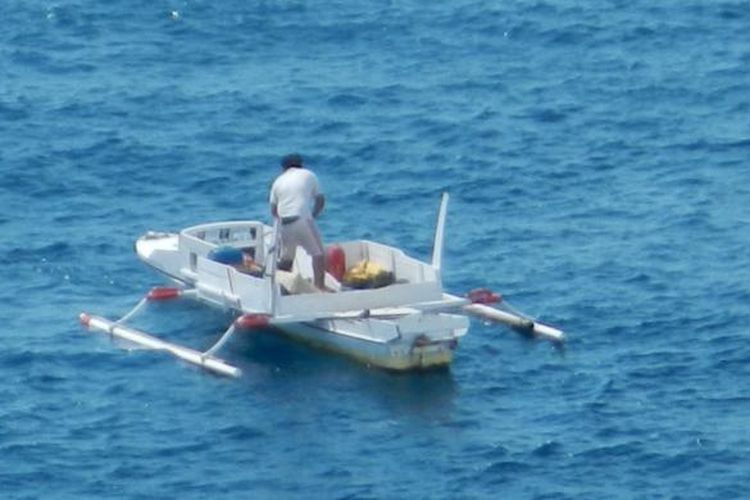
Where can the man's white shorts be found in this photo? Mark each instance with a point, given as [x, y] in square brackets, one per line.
[302, 232]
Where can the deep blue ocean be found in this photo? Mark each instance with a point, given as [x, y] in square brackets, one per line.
[597, 157]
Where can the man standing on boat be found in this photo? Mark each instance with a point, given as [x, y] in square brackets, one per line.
[296, 200]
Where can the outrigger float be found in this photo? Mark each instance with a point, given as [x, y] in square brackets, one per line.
[408, 322]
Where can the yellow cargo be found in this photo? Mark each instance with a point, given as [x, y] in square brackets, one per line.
[367, 274]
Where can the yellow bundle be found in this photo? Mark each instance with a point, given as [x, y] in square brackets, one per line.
[367, 274]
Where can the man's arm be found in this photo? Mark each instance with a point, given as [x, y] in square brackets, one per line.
[320, 203]
[273, 201]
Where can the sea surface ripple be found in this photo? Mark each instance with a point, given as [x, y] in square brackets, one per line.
[597, 158]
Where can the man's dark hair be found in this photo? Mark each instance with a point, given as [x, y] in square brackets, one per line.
[291, 160]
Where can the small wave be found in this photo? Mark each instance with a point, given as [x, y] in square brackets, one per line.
[53, 252]
[42, 62]
[612, 453]
[732, 12]
[713, 146]
[347, 101]
[241, 432]
[548, 449]
[13, 113]
[504, 471]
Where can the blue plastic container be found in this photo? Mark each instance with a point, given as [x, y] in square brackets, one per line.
[226, 255]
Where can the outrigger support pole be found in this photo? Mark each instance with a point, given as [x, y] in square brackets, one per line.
[220, 343]
[478, 304]
[520, 323]
[130, 334]
[118, 329]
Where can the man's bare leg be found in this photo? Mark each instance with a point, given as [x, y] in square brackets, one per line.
[319, 271]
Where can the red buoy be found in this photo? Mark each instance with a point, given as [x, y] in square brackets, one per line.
[336, 262]
[252, 321]
[163, 293]
[484, 296]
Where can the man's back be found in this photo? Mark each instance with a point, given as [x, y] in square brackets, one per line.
[294, 192]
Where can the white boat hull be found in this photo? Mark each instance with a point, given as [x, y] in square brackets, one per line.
[398, 356]
[386, 336]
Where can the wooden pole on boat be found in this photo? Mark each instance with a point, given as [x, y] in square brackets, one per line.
[272, 260]
[438, 242]
[138, 337]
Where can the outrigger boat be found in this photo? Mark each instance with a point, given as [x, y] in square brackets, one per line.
[407, 323]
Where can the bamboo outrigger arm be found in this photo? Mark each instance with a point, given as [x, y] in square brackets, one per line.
[118, 329]
[204, 360]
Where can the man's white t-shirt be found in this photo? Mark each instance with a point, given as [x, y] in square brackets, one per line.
[294, 192]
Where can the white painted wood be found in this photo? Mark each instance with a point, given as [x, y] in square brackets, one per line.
[438, 243]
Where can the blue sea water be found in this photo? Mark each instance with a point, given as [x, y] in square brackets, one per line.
[597, 158]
